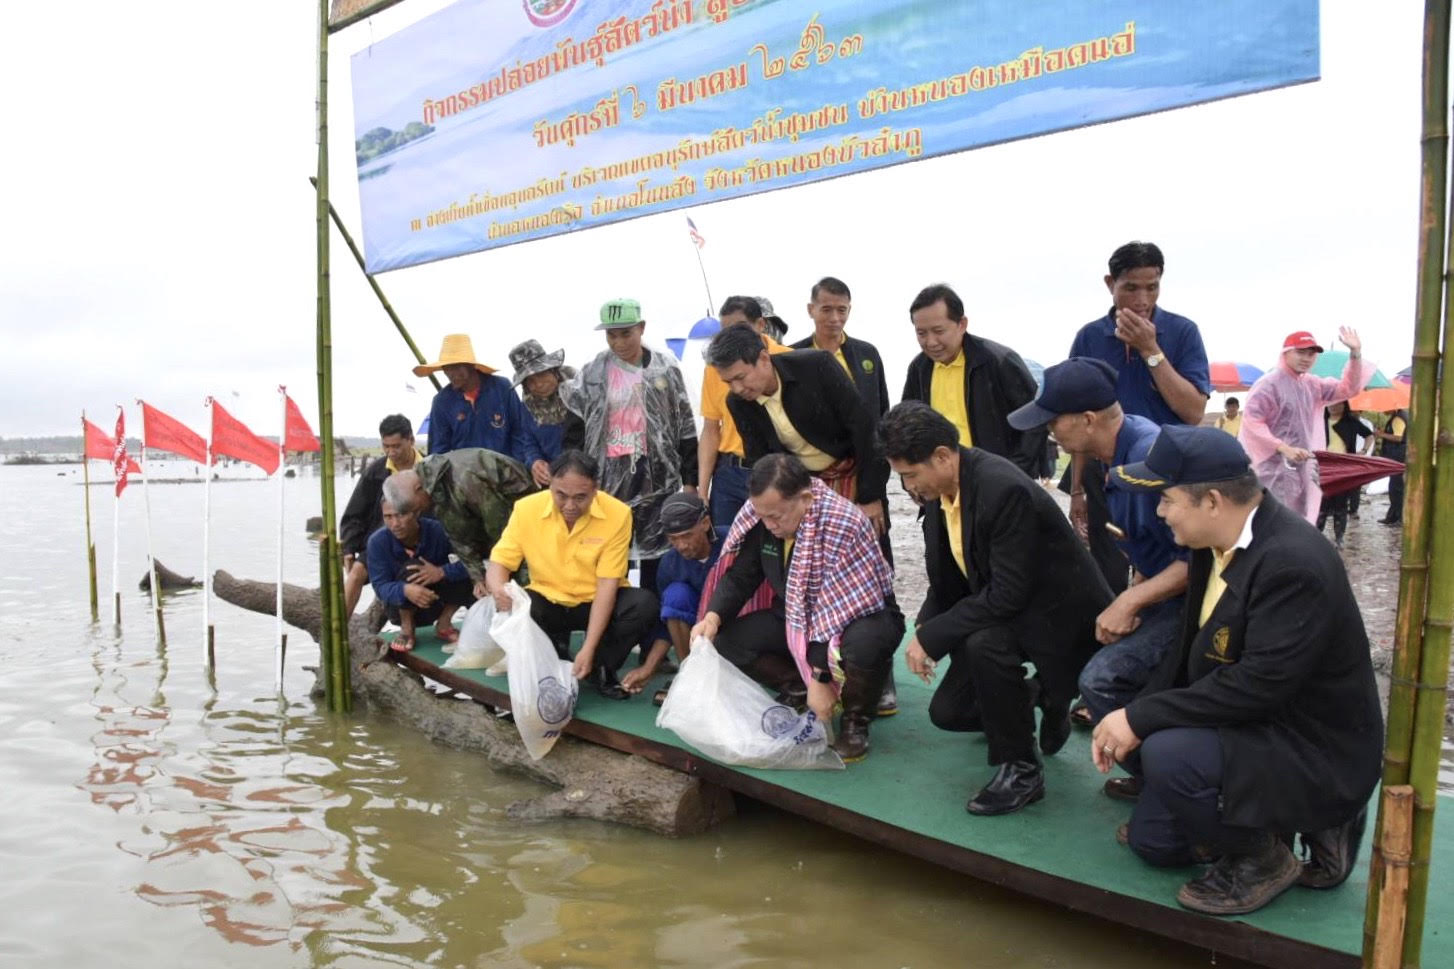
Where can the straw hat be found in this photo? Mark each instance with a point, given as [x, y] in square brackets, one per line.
[456, 349]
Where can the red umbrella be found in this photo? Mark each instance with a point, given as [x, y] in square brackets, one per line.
[1338, 472]
[1229, 375]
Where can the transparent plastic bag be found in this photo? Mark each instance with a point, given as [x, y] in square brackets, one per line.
[722, 712]
[476, 648]
[543, 689]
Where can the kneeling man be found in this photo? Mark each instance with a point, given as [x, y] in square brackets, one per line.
[1009, 583]
[409, 567]
[833, 605]
[575, 538]
[1263, 720]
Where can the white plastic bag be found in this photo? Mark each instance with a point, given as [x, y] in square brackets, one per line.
[542, 688]
[722, 712]
[476, 648]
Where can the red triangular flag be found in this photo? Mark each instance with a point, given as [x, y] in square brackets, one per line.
[231, 437]
[166, 433]
[120, 463]
[298, 436]
[99, 445]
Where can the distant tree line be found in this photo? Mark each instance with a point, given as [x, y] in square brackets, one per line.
[379, 141]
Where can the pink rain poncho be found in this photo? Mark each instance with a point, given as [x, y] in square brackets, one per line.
[1287, 408]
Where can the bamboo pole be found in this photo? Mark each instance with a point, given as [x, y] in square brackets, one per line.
[90, 542]
[374, 285]
[1396, 806]
[1414, 563]
[335, 642]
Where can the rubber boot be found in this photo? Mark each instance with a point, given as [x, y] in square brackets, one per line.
[888, 700]
[780, 674]
[862, 688]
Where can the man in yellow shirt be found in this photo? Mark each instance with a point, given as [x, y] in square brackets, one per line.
[974, 382]
[576, 539]
[1231, 419]
[720, 468]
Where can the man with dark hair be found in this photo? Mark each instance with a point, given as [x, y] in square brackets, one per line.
[1009, 583]
[829, 305]
[802, 403]
[833, 624]
[637, 423]
[973, 382]
[1078, 401]
[1231, 418]
[410, 570]
[576, 539]
[1162, 374]
[478, 408]
[362, 516]
[720, 466]
[1264, 720]
[1391, 445]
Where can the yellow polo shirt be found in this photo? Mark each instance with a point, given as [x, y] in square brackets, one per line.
[565, 563]
[953, 523]
[837, 355]
[946, 395]
[389, 462]
[1232, 425]
[812, 458]
[714, 402]
[1216, 585]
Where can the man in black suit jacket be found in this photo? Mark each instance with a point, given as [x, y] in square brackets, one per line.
[1008, 583]
[989, 380]
[829, 304]
[800, 403]
[1264, 720]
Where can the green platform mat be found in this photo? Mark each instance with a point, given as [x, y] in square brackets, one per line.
[918, 778]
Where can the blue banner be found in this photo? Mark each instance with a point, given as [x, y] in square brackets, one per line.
[493, 122]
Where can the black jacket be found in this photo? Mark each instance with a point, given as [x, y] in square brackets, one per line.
[1027, 570]
[1282, 669]
[363, 516]
[867, 369]
[824, 407]
[996, 382]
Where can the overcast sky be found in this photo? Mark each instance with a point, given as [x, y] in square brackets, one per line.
[160, 239]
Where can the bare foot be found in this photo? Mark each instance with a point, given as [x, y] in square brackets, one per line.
[402, 643]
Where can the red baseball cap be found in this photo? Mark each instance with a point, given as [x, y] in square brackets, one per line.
[1301, 340]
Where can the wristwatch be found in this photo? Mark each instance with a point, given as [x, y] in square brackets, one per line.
[822, 676]
[1155, 359]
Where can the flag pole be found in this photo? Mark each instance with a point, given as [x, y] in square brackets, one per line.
[711, 304]
[90, 542]
[207, 545]
[116, 544]
[156, 602]
[282, 467]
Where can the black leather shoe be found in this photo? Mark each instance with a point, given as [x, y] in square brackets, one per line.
[1015, 784]
[1332, 852]
[1054, 725]
[1123, 788]
[1238, 884]
[607, 684]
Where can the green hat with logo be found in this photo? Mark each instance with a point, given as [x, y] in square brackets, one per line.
[620, 312]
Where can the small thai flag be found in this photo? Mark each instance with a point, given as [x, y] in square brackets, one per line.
[697, 239]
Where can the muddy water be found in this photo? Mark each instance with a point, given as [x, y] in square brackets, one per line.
[152, 815]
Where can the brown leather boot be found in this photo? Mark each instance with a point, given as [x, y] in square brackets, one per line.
[780, 674]
[861, 691]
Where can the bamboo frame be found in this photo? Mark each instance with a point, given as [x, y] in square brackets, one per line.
[1414, 563]
[374, 285]
[1396, 807]
[335, 641]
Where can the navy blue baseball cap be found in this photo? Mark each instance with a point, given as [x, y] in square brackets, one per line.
[1183, 455]
[1073, 386]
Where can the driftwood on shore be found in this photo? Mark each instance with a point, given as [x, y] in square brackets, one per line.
[590, 781]
[167, 579]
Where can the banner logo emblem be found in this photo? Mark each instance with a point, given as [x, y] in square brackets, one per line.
[548, 13]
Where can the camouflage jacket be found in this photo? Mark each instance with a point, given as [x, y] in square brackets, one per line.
[473, 491]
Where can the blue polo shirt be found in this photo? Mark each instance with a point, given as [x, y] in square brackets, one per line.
[1178, 338]
[497, 420]
[387, 557]
[1148, 543]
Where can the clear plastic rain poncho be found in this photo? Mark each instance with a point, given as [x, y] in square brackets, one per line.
[640, 465]
[1287, 408]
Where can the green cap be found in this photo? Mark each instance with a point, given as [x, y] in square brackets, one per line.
[620, 312]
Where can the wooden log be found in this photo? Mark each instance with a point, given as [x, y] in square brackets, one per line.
[587, 780]
[168, 579]
[1397, 846]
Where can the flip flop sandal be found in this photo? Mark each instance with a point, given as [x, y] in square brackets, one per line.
[659, 697]
[401, 647]
[450, 635]
[1081, 716]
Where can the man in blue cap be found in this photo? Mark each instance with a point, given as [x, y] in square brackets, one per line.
[1079, 403]
[1264, 720]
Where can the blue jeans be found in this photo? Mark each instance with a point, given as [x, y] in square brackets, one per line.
[729, 490]
[1116, 673]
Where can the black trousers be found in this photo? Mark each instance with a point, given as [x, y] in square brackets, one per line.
[459, 592]
[867, 642]
[1180, 800]
[1108, 556]
[1396, 498]
[1337, 506]
[634, 615]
